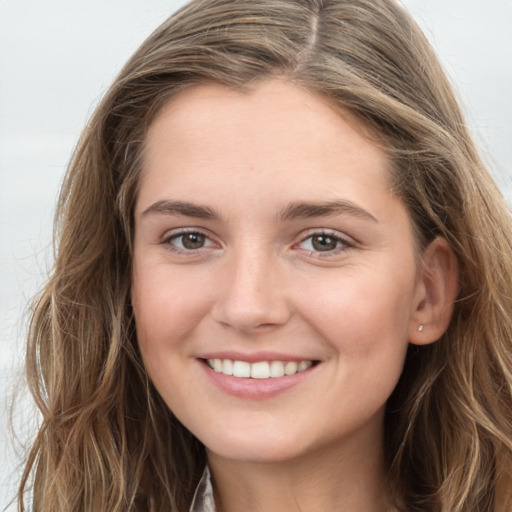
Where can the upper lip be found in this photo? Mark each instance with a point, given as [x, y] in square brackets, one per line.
[255, 357]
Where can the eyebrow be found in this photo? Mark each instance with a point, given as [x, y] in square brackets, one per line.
[296, 210]
[301, 210]
[183, 208]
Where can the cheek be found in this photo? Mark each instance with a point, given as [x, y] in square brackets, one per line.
[167, 307]
[166, 312]
[366, 303]
[365, 321]
[366, 325]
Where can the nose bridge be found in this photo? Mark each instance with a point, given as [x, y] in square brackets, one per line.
[252, 295]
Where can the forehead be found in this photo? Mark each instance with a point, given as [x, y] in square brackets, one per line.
[273, 105]
[274, 133]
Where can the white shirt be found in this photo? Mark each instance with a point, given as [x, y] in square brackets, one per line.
[203, 497]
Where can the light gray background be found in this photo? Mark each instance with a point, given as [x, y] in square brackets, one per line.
[57, 57]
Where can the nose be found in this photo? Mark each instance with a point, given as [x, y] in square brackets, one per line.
[251, 293]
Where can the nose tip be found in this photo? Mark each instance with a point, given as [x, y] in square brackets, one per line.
[245, 316]
[251, 297]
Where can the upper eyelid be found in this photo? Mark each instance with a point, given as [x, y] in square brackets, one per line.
[347, 243]
[171, 235]
[184, 231]
[328, 232]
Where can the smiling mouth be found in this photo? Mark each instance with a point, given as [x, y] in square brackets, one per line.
[258, 370]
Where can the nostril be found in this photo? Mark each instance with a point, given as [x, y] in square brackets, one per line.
[249, 315]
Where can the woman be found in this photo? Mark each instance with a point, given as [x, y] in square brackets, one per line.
[280, 261]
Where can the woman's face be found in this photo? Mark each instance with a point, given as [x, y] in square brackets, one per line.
[267, 243]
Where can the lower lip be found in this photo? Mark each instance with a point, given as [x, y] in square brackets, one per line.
[255, 389]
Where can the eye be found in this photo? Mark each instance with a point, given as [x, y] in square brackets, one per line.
[324, 243]
[188, 241]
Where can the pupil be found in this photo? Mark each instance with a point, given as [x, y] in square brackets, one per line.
[193, 241]
[324, 243]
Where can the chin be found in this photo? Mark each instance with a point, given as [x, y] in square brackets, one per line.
[261, 448]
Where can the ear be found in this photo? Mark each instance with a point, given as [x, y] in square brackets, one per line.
[436, 291]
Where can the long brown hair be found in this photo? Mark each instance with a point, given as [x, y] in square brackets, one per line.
[107, 441]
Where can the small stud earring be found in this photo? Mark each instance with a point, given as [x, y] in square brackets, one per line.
[420, 328]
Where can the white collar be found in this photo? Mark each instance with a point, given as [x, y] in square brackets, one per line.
[203, 497]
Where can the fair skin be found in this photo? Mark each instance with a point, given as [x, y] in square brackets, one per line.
[265, 232]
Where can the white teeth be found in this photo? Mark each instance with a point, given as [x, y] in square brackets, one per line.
[241, 369]
[304, 365]
[227, 367]
[290, 368]
[276, 369]
[259, 370]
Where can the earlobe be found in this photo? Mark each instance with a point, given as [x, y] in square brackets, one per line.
[437, 291]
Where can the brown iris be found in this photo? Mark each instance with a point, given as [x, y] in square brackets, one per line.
[324, 243]
[193, 240]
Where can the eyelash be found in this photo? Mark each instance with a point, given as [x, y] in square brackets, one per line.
[342, 243]
[169, 241]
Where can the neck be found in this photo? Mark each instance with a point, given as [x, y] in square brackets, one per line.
[350, 475]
